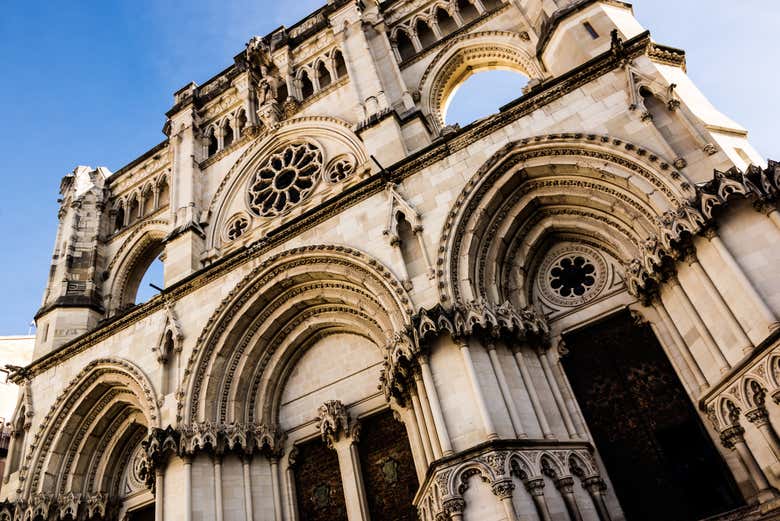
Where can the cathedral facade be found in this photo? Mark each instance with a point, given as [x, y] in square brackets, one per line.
[566, 311]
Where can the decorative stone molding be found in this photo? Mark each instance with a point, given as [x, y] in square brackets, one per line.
[459, 321]
[334, 423]
[496, 463]
[762, 186]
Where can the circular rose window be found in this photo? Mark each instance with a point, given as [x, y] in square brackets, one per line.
[572, 274]
[285, 179]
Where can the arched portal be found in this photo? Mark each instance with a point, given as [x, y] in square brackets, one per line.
[90, 460]
[579, 227]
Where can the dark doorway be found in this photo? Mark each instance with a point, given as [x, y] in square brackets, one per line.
[142, 514]
[388, 468]
[318, 485]
[662, 463]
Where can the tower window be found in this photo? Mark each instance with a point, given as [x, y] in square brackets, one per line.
[591, 31]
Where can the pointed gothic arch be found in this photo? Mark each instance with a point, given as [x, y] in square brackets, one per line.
[76, 451]
[613, 192]
[236, 374]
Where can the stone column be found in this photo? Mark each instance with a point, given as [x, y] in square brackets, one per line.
[734, 438]
[187, 487]
[554, 356]
[760, 418]
[292, 506]
[246, 462]
[596, 488]
[433, 437]
[744, 343]
[717, 355]
[476, 389]
[506, 393]
[433, 398]
[159, 485]
[425, 437]
[736, 270]
[276, 489]
[535, 487]
[218, 509]
[556, 392]
[454, 508]
[342, 435]
[532, 395]
[566, 487]
[682, 347]
[504, 490]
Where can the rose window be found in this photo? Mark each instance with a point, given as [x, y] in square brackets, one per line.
[285, 179]
[572, 276]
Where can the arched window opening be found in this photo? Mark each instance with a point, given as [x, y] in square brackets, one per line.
[490, 5]
[17, 442]
[405, 46]
[133, 209]
[482, 95]
[340, 64]
[119, 219]
[410, 248]
[213, 143]
[152, 275]
[163, 193]
[241, 122]
[424, 34]
[227, 134]
[446, 22]
[323, 75]
[148, 197]
[467, 10]
[307, 87]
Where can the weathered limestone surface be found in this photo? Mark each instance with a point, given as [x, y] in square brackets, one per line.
[334, 252]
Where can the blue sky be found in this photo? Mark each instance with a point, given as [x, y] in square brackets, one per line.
[88, 82]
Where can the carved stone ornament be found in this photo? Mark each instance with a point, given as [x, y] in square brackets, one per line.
[572, 275]
[285, 179]
[340, 168]
[333, 422]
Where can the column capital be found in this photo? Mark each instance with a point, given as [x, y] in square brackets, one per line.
[503, 489]
[535, 487]
[710, 232]
[758, 416]
[732, 436]
[335, 424]
[594, 484]
[455, 505]
[565, 484]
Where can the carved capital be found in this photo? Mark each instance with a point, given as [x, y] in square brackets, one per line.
[333, 422]
[535, 487]
[455, 505]
[565, 485]
[732, 436]
[503, 489]
[595, 485]
[759, 416]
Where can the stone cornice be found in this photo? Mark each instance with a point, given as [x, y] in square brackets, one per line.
[542, 95]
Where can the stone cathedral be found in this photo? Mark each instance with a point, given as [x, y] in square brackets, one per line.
[565, 311]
